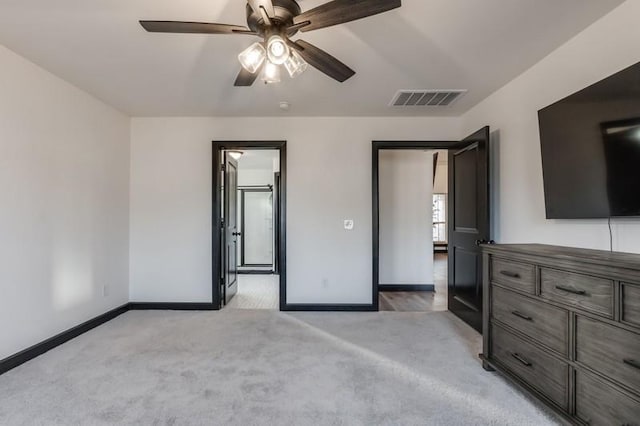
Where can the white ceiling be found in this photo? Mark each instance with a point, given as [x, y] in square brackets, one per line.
[426, 44]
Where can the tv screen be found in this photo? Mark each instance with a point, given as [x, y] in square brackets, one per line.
[591, 150]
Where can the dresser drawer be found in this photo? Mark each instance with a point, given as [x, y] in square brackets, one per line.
[631, 304]
[599, 404]
[582, 291]
[611, 351]
[520, 276]
[547, 324]
[534, 366]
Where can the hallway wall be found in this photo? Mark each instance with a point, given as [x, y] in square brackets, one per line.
[406, 222]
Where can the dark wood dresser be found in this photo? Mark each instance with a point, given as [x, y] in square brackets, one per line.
[564, 323]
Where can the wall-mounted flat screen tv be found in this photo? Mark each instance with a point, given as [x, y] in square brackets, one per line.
[591, 150]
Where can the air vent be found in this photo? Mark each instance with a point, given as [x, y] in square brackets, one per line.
[428, 98]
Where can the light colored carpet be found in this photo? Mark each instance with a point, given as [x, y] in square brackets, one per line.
[243, 367]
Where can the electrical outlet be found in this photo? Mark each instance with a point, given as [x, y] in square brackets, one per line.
[325, 283]
[105, 290]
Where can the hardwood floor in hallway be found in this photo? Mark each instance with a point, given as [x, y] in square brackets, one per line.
[420, 301]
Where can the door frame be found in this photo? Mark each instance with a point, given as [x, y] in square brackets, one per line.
[243, 192]
[217, 203]
[276, 217]
[376, 146]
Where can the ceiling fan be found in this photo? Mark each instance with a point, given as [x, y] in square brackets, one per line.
[276, 21]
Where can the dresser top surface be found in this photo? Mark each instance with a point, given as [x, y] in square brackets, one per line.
[601, 257]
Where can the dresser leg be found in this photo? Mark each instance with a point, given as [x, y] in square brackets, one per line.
[487, 367]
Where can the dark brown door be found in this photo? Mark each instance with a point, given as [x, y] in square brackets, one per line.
[230, 225]
[469, 225]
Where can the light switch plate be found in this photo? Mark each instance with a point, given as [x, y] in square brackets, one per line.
[348, 224]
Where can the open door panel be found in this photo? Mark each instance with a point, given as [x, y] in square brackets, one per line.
[469, 225]
[230, 229]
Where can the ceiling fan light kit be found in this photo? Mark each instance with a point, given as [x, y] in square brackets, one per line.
[253, 57]
[277, 50]
[276, 21]
[271, 73]
[295, 65]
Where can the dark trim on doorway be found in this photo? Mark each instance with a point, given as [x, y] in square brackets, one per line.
[38, 349]
[276, 218]
[216, 267]
[406, 287]
[376, 146]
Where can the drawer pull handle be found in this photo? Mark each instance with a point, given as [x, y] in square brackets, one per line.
[521, 359]
[633, 363]
[510, 274]
[571, 290]
[521, 315]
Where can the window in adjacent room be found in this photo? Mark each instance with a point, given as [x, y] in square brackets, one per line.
[439, 218]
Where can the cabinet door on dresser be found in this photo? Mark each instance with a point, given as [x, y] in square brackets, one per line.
[533, 365]
[512, 274]
[599, 404]
[631, 304]
[545, 323]
[592, 294]
[609, 350]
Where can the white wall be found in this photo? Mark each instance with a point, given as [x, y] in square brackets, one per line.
[254, 177]
[257, 167]
[329, 180]
[64, 171]
[441, 181]
[406, 223]
[606, 47]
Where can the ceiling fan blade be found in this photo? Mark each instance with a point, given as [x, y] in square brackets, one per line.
[193, 28]
[324, 62]
[256, 5]
[340, 11]
[245, 78]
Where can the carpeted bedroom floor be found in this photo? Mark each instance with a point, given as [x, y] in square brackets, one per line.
[250, 367]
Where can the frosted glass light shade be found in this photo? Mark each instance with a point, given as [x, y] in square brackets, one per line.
[277, 50]
[253, 57]
[271, 73]
[295, 64]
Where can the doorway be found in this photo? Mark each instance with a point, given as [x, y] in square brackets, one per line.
[439, 211]
[467, 227]
[249, 217]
